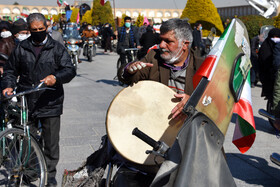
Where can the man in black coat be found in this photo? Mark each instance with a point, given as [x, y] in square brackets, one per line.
[147, 40]
[36, 59]
[127, 38]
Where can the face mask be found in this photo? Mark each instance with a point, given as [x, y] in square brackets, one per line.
[6, 34]
[275, 40]
[174, 58]
[49, 29]
[89, 28]
[127, 24]
[200, 28]
[54, 28]
[22, 36]
[38, 36]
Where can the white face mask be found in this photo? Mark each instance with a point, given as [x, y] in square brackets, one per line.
[23, 36]
[275, 40]
[6, 34]
[171, 58]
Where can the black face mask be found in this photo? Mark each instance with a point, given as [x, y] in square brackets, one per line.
[38, 36]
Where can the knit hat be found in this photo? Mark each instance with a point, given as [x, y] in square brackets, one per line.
[5, 25]
[18, 26]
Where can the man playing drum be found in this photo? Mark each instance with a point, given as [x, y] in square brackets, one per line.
[173, 64]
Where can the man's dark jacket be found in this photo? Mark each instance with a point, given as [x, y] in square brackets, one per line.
[52, 60]
[121, 43]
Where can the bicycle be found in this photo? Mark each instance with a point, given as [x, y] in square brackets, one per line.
[129, 51]
[21, 159]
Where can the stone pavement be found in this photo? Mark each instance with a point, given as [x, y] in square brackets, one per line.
[88, 96]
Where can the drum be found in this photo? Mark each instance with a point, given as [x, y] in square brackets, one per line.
[146, 105]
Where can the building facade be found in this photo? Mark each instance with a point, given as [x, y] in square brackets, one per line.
[158, 15]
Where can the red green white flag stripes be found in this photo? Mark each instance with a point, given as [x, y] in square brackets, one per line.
[245, 129]
[59, 2]
[245, 133]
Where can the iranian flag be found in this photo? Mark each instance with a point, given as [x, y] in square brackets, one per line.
[245, 130]
[59, 3]
[24, 12]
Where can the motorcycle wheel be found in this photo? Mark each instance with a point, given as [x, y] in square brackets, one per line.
[94, 51]
[90, 54]
[269, 110]
[75, 62]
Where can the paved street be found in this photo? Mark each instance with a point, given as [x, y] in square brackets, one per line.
[87, 98]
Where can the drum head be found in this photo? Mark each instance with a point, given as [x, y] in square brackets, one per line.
[147, 105]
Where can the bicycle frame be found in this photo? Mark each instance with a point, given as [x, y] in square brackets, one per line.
[24, 112]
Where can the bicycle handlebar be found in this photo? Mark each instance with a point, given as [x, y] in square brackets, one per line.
[36, 89]
[131, 49]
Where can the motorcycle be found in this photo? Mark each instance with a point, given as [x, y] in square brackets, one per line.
[72, 41]
[90, 48]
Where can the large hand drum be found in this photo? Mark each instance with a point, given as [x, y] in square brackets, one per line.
[147, 105]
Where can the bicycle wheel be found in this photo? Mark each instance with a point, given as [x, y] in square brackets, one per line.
[23, 162]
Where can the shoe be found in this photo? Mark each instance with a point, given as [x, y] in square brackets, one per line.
[275, 158]
[79, 61]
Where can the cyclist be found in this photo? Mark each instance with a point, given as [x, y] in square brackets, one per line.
[35, 60]
[127, 38]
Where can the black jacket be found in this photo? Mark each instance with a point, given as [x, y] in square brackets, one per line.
[52, 60]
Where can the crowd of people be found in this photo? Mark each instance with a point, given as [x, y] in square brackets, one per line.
[170, 57]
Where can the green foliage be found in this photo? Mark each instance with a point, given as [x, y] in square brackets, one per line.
[140, 20]
[87, 17]
[74, 15]
[277, 21]
[254, 23]
[15, 3]
[205, 12]
[56, 17]
[102, 14]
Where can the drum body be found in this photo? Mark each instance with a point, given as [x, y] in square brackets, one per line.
[147, 105]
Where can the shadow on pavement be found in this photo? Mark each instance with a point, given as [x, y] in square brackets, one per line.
[110, 82]
[261, 124]
[249, 168]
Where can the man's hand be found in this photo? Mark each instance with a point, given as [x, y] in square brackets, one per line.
[139, 47]
[1, 70]
[135, 66]
[179, 107]
[49, 80]
[9, 91]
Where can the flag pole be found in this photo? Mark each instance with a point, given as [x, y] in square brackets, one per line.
[114, 8]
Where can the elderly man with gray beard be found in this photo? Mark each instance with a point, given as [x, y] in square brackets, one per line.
[173, 64]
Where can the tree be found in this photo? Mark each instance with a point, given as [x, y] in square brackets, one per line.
[102, 14]
[96, 12]
[254, 23]
[277, 21]
[205, 12]
[139, 21]
[87, 17]
[15, 3]
[74, 15]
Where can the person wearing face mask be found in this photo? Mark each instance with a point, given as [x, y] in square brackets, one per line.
[197, 39]
[173, 64]
[7, 42]
[88, 32]
[53, 33]
[128, 37]
[38, 59]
